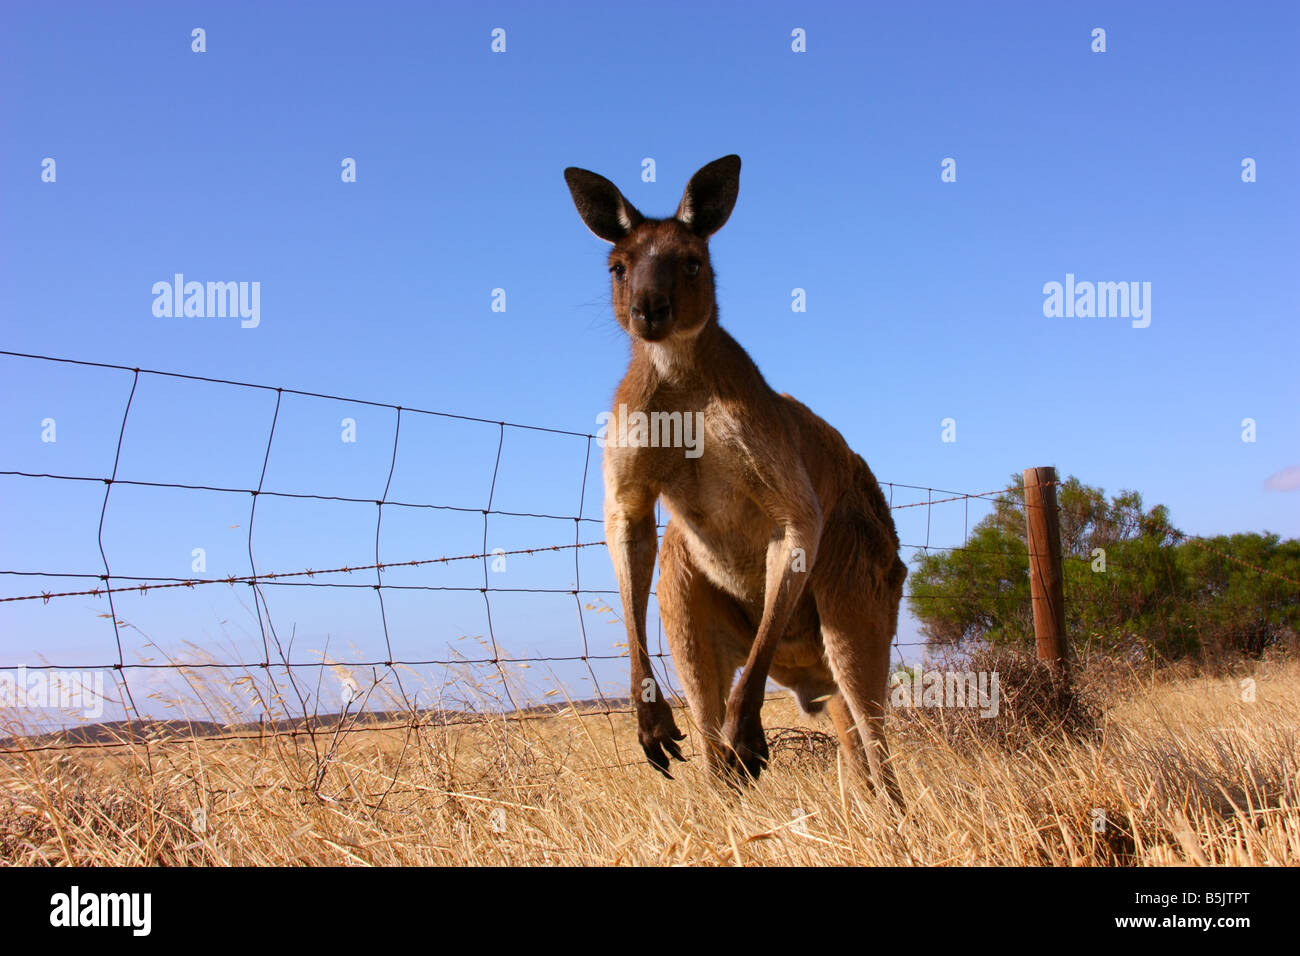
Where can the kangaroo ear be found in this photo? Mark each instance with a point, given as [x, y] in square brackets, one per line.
[710, 196]
[600, 204]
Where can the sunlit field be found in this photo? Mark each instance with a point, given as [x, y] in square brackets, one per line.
[1177, 770]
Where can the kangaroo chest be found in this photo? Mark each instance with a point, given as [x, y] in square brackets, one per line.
[707, 483]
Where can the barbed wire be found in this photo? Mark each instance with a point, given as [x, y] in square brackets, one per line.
[270, 577]
[1202, 543]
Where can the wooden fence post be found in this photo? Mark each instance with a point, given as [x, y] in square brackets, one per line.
[1046, 580]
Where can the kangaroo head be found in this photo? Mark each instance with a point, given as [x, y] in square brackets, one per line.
[660, 270]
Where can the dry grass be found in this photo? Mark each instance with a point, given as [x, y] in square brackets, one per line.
[1185, 772]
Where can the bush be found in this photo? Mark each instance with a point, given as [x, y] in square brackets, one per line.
[1036, 706]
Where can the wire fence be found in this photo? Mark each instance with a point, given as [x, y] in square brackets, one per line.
[276, 661]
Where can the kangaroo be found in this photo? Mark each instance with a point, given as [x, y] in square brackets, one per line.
[780, 556]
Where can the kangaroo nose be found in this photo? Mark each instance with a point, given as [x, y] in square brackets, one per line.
[653, 309]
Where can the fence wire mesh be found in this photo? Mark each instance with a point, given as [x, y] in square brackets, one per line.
[276, 666]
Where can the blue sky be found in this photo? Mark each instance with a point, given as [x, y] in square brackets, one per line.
[924, 298]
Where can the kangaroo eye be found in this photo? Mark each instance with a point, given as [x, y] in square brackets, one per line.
[619, 270]
[692, 267]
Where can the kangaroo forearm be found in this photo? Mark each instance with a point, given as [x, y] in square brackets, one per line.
[633, 543]
[789, 558]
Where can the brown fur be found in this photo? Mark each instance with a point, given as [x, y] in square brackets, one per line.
[781, 557]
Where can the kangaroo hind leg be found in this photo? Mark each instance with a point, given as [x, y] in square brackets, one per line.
[708, 634]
